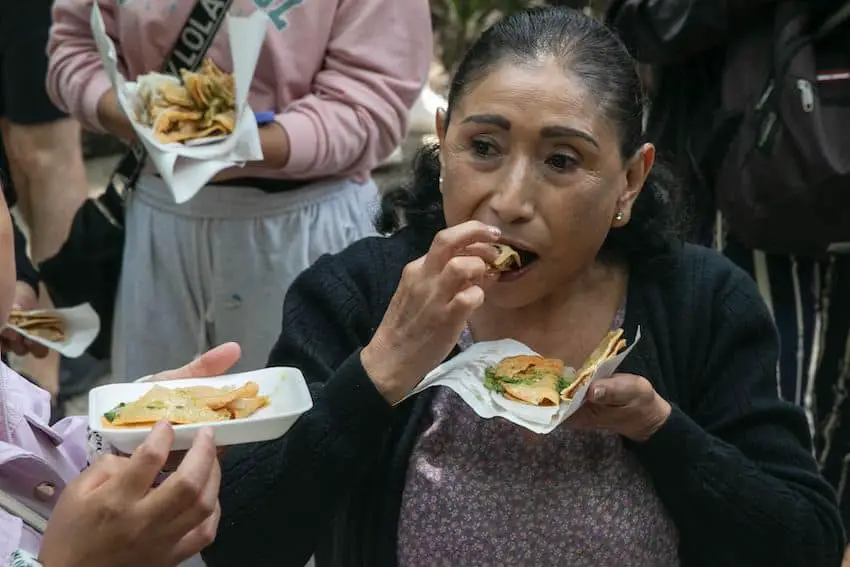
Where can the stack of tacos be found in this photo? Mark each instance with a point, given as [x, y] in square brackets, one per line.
[202, 106]
[46, 326]
[544, 381]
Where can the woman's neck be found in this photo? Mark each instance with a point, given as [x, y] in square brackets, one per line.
[566, 324]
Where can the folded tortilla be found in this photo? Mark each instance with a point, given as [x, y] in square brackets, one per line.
[608, 348]
[530, 379]
[195, 404]
[507, 260]
[161, 403]
[201, 106]
[47, 326]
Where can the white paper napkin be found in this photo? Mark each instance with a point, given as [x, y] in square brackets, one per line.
[187, 168]
[81, 328]
[465, 375]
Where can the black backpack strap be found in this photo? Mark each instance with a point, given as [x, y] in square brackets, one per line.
[188, 52]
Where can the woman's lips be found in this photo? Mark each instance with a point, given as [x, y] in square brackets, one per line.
[528, 263]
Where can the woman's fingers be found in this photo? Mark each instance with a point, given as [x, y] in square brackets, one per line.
[214, 362]
[35, 349]
[486, 252]
[197, 512]
[460, 273]
[147, 461]
[184, 489]
[467, 301]
[619, 390]
[199, 538]
[450, 242]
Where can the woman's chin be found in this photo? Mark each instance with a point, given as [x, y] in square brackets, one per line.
[514, 290]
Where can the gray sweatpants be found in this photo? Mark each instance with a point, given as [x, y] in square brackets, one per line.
[216, 268]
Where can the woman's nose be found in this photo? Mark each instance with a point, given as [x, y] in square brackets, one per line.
[512, 197]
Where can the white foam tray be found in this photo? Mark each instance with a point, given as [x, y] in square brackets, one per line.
[288, 399]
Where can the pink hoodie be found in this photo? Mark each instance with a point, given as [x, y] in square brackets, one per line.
[340, 74]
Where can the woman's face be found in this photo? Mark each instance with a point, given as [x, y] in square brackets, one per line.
[8, 273]
[529, 151]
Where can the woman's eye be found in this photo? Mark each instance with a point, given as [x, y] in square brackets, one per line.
[481, 148]
[561, 162]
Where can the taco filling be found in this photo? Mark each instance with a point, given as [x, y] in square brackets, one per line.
[530, 379]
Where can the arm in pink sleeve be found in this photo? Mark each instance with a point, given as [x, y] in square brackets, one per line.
[76, 79]
[376, 63]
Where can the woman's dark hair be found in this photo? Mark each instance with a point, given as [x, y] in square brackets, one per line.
[590, 51]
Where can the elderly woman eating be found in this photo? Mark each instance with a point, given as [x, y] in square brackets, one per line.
[686, 456]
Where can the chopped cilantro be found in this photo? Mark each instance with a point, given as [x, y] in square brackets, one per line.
[492, 382]
[564, 382]
[113, 413]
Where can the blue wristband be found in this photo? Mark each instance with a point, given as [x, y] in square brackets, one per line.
[264, 117]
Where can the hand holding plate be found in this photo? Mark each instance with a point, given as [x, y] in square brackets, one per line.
[110, 516]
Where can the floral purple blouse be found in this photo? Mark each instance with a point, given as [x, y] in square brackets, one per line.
[488, 492]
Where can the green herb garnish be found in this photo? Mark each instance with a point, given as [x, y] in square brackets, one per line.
[564, 382]
[113, 413]
[492, 382]
[156, 405]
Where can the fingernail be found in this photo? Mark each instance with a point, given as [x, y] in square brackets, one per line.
[598, 394]
[494, 230]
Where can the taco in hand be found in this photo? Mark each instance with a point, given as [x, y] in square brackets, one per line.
[508, 259]
[612, 345]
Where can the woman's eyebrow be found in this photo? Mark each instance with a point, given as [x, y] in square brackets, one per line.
[567, 132]
[494, 119]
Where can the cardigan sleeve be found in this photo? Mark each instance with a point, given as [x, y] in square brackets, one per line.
[737, 474]
[288, 490]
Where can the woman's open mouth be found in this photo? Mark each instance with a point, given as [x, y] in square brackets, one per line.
[516, 270]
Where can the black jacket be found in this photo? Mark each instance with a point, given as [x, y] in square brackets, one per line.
[733, 463]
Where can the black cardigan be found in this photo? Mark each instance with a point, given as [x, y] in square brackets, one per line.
[733, 463]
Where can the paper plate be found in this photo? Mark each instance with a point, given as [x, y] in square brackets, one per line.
[81, 328]
[285, 387]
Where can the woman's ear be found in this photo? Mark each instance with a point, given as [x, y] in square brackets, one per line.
[637, 171]
[440, 124]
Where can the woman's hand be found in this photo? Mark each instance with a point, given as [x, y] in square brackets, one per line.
[434, 299]
[112, 117]
[625, 404]
[110, 515]
[10, 340]
[214, 362]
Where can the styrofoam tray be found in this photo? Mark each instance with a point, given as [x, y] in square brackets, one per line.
[288, 399]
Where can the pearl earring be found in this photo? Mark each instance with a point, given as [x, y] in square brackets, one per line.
[619, 216]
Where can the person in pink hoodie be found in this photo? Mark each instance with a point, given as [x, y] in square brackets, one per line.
[108, 515]
[339, 78]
